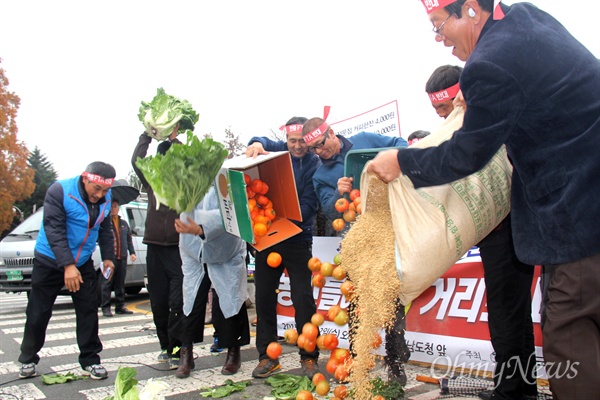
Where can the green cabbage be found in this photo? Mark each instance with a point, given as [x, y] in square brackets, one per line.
[182, 177]
[162, 114]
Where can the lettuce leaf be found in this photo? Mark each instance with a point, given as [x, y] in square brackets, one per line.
[162, 114]
[182, 177]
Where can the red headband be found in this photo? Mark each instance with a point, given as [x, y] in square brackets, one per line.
[98, 179]
[433, 5]
[321, 129]
[291, 128]
[446, 94]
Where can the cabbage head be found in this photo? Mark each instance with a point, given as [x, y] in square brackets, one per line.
[181, 178]
[162, 114]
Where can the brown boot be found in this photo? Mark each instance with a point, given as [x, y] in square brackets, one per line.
[186, 362]
[233, 361]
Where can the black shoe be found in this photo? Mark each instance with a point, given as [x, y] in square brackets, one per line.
[487, 395]
[266, 368]
[106, 312]
[123, 310]
[396, 373]
[27, 371]
[310, 367]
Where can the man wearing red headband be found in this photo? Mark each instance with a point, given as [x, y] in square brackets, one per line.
[507, 280]
[522, 90]
[75, 218]
[295, 253]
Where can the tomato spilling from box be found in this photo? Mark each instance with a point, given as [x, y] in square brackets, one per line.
[276, 170]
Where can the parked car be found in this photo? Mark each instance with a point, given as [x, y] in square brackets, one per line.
[16, 252]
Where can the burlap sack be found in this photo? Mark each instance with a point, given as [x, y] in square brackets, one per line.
[435, 226]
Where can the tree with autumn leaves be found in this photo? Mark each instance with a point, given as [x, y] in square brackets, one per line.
[16, 176]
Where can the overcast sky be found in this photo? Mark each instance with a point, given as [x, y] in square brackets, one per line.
[82, 67]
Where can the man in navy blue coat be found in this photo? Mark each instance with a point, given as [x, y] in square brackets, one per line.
[529, 84]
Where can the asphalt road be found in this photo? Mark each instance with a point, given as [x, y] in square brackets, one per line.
[130, 340]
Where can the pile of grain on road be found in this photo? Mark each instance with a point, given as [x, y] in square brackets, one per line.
[368, 256]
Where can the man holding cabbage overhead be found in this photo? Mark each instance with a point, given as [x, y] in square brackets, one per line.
[163, 122]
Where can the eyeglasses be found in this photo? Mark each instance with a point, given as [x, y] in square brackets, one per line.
[318, 146]
[437, 30]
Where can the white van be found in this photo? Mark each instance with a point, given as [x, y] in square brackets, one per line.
[16, 252]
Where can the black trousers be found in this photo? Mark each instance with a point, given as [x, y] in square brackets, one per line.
[46, 283]
[117, 283]
[508, 286]
[295, 258]
[165, 285]
[233, 331]
[192, 325]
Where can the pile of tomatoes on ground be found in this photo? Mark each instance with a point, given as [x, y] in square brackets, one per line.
[340, 360]
[348, 208]
[260, 206]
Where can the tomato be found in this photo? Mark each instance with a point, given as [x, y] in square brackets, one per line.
[342, 204]
[379, 397]
[340, 391]
[260, 229]
[321, 342]
[265, 188]
[341, 318]
[274, 260]
[338, 224]
[256, 185]
[314, 264]
[291, 336]
[262, 200]
[322, 388]
[326, 269]
[331, 341]
[359, 208]
[301, 341]
[318, 377]
[337, 259]
[341, 373]
[338, 273]
[310, 330]
[354, 193]
[331, 366]
[274, 350]
[318, 280]
[340, 355]
[247, 179]
[347, 288]
[376, 340]
[249, 193]
[349, 215]
[270, 213]
[304, 395]
[310, 345]
[317, 319]
[333, 311]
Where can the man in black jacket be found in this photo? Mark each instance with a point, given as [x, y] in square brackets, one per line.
[123, 243]
[165, 277]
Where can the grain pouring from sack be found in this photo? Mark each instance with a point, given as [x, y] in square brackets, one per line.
[367, 253]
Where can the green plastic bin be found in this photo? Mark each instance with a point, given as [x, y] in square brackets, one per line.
[355, 162]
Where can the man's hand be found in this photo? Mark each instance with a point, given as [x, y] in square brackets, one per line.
[255, 149]
[175, 132]
[73, 278]
[108, 265]
[191, 227]
[385, 165]
[132, 257]
[344, 185]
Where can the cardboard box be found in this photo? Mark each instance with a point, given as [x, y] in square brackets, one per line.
[276, 170]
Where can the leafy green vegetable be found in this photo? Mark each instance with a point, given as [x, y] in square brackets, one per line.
[182, 177]
[125, 385]
[389, 390]
[54, 379]
[224, 391]
[162, 114]
[286, 386]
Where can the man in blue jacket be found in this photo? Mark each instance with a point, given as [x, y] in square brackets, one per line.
[75, 217]
[529, 84]
[295, 253]
[329, 180]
